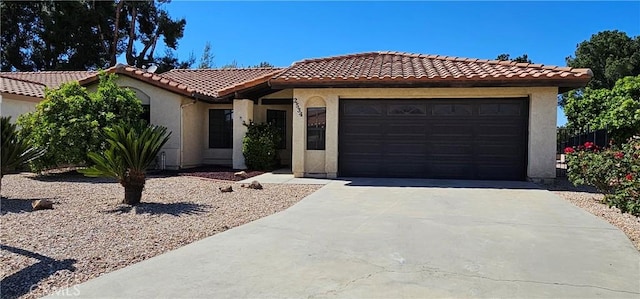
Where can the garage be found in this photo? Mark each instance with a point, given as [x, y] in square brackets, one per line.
[476, 139]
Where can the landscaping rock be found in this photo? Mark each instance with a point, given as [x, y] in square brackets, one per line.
[226, 189]
[254, 185]
[42, 204]
[243, 174]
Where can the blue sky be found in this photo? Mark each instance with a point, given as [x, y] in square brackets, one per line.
[284, 32]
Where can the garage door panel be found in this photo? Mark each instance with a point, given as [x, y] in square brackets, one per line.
[363, 129]
[355, 149]
[404, 170]
[496, 172]
[433, 138]
[444, 150]
[451, 170]
[406, 148]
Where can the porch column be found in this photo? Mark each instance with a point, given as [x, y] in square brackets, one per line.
[298, 144]
[242, 113]
[542, 134]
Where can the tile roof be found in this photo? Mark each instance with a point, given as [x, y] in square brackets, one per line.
[430, 70]
[51, 79]
[221, 82]
[373, 69]
[158, 80]
[21, 87]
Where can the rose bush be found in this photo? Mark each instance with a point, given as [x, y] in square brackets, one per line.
[613, 171]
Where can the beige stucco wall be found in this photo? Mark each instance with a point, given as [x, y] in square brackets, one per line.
[542, 123]
[242, 114]
[16, 105]
[165, 111]
[193, 128]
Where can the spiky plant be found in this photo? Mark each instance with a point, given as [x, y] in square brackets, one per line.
[132, 149]
[16, 152]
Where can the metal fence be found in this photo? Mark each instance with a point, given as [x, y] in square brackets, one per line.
[570, 138]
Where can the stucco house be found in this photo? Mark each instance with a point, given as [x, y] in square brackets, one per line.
[381, 114]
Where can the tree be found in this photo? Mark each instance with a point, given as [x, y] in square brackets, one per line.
[232, 65]
[147, 23]
[169, 61]
[505, 57]
[206, 61]
[264, 64]
[133, 147]
[54, 35]
[77, 35]
[611, 55]
[69, 121]
[16, 151]
[617, 109]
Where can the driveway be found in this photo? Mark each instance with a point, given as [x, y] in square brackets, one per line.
[367, 238]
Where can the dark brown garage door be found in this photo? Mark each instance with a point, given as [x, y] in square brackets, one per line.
[483, 139]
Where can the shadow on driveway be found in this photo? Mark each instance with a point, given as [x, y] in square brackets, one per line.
[432, 183]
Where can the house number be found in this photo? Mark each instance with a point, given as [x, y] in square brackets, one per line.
[295, 101]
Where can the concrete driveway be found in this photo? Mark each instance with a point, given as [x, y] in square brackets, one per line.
[375, 238]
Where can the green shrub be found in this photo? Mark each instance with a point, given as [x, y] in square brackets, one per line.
[260, 146]
[133, 147]
[69, 122]
[613, 171]
[16, 152]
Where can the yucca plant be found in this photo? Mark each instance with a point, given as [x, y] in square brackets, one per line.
[15, 151]
[132, 149]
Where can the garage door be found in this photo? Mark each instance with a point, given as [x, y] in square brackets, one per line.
[483, 139]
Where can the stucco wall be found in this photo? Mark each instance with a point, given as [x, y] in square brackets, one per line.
[165, 111]
[542, 122]
[15, 105]
[193, 128]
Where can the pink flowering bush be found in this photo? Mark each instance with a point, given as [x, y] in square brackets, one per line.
[613, 171]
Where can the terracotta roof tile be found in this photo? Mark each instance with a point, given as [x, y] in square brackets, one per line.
[51, 79]
[21, 87]
[407, 68]
[220, 82]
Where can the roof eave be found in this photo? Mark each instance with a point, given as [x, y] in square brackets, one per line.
[562, 84]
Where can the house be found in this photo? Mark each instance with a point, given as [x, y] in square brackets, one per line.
[384, 114]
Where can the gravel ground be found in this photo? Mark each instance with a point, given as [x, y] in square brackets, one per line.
[88, 233]
[591, 201]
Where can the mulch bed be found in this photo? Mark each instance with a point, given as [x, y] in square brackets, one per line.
[215, 173]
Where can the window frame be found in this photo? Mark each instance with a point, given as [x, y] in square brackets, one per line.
[220, 132]
[316, 134]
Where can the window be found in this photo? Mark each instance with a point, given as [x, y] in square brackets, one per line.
[362, 109]
[316, 126]
[279, 119]
[220, 128]
[405, 110]
[146, 113]
[452, 110]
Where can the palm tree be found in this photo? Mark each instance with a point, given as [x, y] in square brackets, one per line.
[133, 148]
[15, 151]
